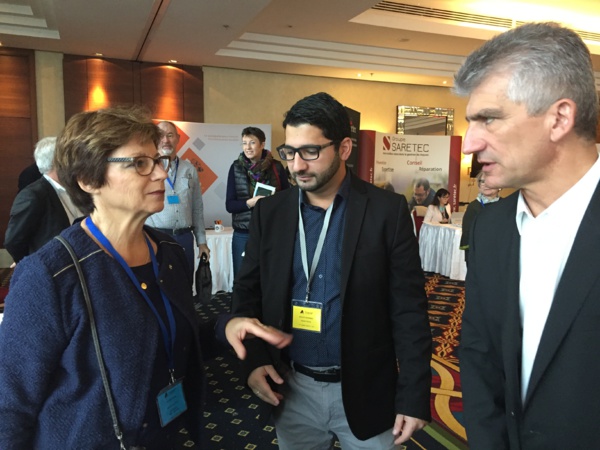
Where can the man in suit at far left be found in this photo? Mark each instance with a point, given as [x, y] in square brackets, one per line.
[41, 210]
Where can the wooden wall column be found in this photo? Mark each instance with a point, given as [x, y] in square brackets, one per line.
[18, 123]
[171, 92]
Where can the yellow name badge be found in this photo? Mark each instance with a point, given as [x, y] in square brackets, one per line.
[306, 315]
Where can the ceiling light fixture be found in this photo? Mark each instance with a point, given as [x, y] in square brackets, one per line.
[99, 54]
[172, 61]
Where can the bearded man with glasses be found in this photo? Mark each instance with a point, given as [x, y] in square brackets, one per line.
[183, 214]
[335, 262]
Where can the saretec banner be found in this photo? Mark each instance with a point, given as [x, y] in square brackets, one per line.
[212, 148]
[402, 159]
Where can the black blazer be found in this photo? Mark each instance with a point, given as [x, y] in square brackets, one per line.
[384, 306]
[562, 406]
[36, 216]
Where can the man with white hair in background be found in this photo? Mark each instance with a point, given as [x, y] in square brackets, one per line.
[41, 210]
[183, 214]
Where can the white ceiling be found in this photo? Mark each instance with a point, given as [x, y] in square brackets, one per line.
[402, 41]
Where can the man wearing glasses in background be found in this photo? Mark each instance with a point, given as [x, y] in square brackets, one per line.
[334, 260]
[423, 195]
[183, 215]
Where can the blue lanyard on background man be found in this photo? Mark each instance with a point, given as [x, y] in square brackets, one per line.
[172, 183]
[168, 338]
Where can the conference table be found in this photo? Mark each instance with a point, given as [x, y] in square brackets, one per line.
[221, 260]
[439, 250]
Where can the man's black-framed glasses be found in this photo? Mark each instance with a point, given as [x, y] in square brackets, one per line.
[144, 165]
[306, 152]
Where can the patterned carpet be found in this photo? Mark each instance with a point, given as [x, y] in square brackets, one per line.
[234, 418]
[446, 304]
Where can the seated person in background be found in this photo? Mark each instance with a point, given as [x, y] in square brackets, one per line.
[439, 211]
[422, 194]
[486, 195]
[41, 210]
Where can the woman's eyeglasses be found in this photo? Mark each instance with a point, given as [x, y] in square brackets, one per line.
[144, 165]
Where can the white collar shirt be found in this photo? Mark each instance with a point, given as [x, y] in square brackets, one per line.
[546, 242]
[71, 210]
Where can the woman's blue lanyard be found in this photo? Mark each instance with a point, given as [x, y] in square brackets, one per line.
[172, 183]
[320, 242]
[169, 339]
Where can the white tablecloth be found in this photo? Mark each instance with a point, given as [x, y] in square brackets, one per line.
[439, 250]
[221, 261]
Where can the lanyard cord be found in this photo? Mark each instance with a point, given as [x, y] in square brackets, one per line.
[168, 338]
[172, 183]
[318, 250]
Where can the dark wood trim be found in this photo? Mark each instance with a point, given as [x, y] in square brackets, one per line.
[18, 122]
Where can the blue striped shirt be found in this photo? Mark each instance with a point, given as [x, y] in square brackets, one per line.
[310, 348]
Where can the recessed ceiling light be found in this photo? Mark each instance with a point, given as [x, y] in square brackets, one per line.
[172, 61]
[98, 54]
[359, 75]
[444, 82]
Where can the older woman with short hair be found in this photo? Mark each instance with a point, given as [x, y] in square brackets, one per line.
[149, 336]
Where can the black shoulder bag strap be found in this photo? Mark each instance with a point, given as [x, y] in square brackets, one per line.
[111, 404]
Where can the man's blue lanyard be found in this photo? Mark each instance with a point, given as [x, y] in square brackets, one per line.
[172, 183]
[168, 338]
[320, 242]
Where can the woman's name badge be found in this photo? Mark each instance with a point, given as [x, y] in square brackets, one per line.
[171, 402]
[173, 199]
[306, 315]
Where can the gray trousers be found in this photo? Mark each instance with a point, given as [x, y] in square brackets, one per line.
[312, 411]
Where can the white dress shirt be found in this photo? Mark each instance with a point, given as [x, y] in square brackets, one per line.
[546, 242]
[71, 210]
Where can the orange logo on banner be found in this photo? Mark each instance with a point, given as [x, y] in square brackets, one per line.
[206, 175]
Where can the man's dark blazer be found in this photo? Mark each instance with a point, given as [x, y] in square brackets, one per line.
[28, 175]
[36, 216]
[384, 306]
[562, 404]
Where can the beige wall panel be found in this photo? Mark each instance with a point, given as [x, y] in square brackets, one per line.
[50, 93]
[236, 96]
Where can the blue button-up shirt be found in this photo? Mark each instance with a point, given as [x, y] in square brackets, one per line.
[310, 348]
